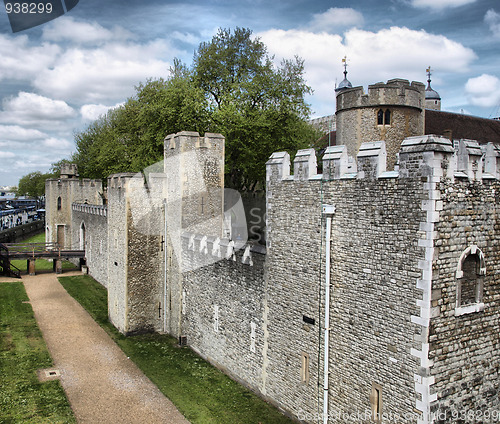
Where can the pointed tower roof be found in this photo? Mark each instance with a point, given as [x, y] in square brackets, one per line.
[430, 94]
[345, 84]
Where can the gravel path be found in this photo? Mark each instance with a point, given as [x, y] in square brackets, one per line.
[102, 385]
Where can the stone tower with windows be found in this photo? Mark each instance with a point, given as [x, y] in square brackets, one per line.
[389, 111]
[60, 193]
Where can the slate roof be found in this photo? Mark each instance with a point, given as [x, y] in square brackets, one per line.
[462, 126]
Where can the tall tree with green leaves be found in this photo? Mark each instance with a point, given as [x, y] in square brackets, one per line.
[233, 87]
[259, 107]
[130, 138]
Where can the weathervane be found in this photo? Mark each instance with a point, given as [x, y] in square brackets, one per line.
[428, 70]
[344, 61]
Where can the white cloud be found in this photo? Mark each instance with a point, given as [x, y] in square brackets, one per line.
[405, 53]
[68, 29]
[17, 133]
[108, 73]
[440, 4]
[57, 144]
[20, 61]
[33, 110]
[492, 18]
[483, 91]
[7, 155]
[92, 112]
[187, 37]
[336, 18]
[372, 57]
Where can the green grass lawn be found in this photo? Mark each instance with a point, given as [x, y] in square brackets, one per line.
[23, 399]
[200, 391]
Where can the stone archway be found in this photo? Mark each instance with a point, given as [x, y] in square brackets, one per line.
[82, 236]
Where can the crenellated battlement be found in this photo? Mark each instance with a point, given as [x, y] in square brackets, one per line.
[69, 170]
[191, 140]
[101, 210]
[396, 92]
[420, 156]
[119, 181]
[390, 112]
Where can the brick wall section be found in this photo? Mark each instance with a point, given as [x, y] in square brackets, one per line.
[465, 348]
[95, 220]
[118, 219]
[235, 292]
[374, 268]
[145, 255]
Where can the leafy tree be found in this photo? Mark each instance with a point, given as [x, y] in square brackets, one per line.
[33, 185]
[130, 138]
[233, 87]
[258, 107]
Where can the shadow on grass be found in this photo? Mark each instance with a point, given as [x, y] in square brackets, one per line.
[200, 391]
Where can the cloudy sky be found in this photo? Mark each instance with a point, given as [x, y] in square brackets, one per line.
[58, 77]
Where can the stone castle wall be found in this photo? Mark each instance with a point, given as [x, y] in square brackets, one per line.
[397, 336]
[399, 342]
[89, 228]
[464, 341]
[373, 272]
[222, 307]
[118, 260]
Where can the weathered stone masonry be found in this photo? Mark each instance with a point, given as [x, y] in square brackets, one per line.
[414, 263]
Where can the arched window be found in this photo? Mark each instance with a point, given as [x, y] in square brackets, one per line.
[470, 271]
[468, 283]
[82, 236]
[380, 117]
[387, 120]
[59, 203]
[384, 117]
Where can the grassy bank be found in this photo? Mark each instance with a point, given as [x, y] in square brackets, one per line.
[201, 392]
[22, 352]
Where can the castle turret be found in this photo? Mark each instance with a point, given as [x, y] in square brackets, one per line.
[345, 84]
[389, 112]
[432, 97]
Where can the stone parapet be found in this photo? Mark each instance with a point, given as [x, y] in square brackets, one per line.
[335, 162]
[304, 164]
[469, 158]
[398, 92]
[372, 159]
[101, 210]
[420, 156]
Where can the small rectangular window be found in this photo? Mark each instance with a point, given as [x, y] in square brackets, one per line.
[376, 403]
[304, 371]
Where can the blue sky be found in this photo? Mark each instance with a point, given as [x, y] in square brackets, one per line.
[57, 77]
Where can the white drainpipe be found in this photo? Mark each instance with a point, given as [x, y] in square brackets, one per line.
[165, 259]
[328, 211]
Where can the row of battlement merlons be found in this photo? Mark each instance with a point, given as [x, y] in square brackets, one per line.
[462, 159]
